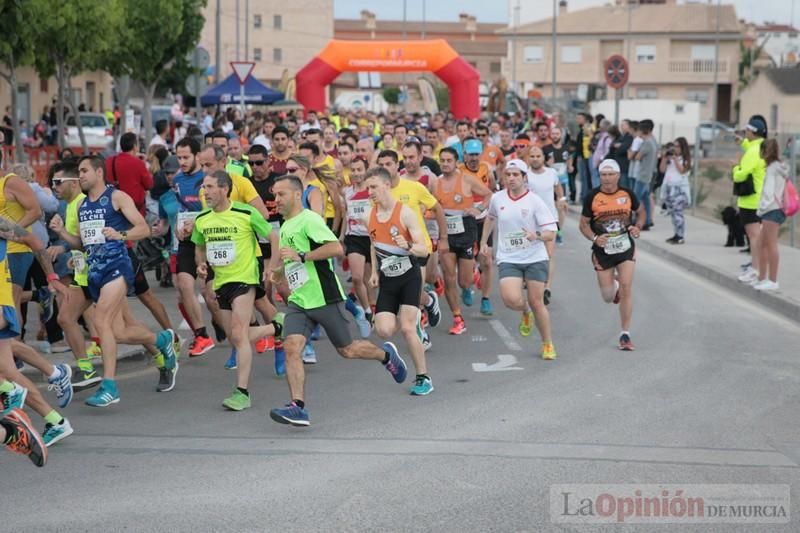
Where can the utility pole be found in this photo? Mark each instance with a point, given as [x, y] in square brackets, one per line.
[715, 92]
[554, 46]
[247, 30]
[423, 19]
[628, 47]
[404, 91]
[514, 51]
[238, 57]
[217, 55]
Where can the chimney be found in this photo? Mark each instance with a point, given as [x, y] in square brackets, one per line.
[462, 18]
[369, 19]
[472, 25]
[562, 8]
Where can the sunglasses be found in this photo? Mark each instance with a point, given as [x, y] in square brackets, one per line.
[62, 180]
[258, 163]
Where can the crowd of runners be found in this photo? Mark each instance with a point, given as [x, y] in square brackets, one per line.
[267, 227]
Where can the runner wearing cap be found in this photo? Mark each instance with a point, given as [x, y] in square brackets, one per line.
[524, 225]
[607, 221]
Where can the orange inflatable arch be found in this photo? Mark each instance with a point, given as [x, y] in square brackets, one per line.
[435, 56]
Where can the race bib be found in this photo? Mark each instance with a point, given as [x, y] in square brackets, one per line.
[357, 209]
[220, 253]
[92, 231]
[455, 224]
[617, 244]
[296, 275]
[78, 261]
[515, 241]
[395, 265]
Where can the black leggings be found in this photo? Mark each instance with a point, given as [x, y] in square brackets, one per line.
[37, 278]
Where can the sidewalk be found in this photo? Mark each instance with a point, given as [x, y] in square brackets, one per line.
[704, 254]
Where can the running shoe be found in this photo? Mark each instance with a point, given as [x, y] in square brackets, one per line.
[466, 297]
[625, 343]
[178, 345]
[165, 341]
[419, 329]
[262, 344]
[766, 285]
[559, 239]
[426, 340]
[396, 366]
[231, 363]
[526, 324]
[14, 399]
[749, 275]
[56, 432]
[316, 333]
[291, 414]
[476, 277]
[45, 298]
[200, 346]
[25, 440]
[166, 378]
[62, 385]
[548, 351]
[237, 401]
[422, 386]
[280, 361]
[547, 296]
[86, 376]
[433, 310]
[486, 307]
[438, 286]
[364, 327]
[459, 326]
[309, 355]
[94, 351]
[105, 395]
[18, 363]
[278, 319]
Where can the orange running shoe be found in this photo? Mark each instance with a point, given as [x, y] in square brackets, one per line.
[200, 346]
[459, 326]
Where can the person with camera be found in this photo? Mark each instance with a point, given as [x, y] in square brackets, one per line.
[748, 180]
[675, 193]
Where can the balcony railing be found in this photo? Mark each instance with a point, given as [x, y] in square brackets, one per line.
[697, 66]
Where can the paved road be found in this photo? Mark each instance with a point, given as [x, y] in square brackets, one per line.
[710, 396]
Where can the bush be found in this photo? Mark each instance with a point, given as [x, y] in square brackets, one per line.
[391, 95]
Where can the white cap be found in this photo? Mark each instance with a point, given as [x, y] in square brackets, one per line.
[519, 164]
[609, 164]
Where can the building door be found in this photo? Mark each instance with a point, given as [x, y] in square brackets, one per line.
[90, 94]
[724, 102]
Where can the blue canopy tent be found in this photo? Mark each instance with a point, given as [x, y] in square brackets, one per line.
[227, 92]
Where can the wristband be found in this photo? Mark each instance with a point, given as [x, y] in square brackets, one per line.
[52, 276]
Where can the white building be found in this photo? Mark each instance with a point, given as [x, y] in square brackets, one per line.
[781, 42]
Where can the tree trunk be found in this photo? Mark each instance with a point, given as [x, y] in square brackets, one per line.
[60, 106]
[11, 78]
[76, 114]
[123, 92]
[147, 115]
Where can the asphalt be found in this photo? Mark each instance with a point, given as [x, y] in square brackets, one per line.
[709, 397]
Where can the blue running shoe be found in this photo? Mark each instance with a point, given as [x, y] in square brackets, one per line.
[45, 298]
[14, 399]
[316, 333]
[231, 364]
[434, 313]
[55, 432]
[422, 387]
[309, 355]
[396, 366]
[62, 385]
[280, 362]
[486, 307]
[364, 327]
[466, 297]
[165, 342]
[19, 364]
[105, 395]
[291, 414]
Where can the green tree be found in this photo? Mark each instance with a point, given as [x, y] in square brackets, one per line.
[16, 49]
[72, 36]
[391, 95]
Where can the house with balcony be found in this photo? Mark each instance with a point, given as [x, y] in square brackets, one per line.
[671, 50]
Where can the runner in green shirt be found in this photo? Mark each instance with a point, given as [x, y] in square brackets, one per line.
[307, 249]
[226, 238]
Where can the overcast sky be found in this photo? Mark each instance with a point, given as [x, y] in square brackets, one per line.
[497, 10]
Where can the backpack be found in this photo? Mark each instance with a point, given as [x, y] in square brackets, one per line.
[791, 200]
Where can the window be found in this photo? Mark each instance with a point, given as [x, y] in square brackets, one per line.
[570, 54]
[277, 55]
[256, 54]
[473, 64]
[645, 53]
[703, 51]
[43, 85]
[647, 94]
[697, 95]
[277, 22]
[256, 21]
[532, 54]
[793, 35]
[494, 67]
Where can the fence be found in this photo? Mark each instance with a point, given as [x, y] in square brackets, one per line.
[40, 159]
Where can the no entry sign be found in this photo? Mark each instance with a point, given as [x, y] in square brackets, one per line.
[616, 71]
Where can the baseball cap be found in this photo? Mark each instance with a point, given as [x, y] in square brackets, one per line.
[170, 164]
[518, 164]
[757, 125]
[609, 164]
[473, 146]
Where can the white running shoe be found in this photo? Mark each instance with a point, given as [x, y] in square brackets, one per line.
[766, 285]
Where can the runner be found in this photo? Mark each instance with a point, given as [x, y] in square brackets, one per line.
[226, 237]
[481, 171]
[398, 240]
[556, 156]
[524, 224]
[280, 153]
[607, 221]
[307, 250]
[544, 182]
[454, 191]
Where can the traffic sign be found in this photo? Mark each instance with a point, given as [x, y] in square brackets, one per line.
[196, 84]
[199, 58]
[616, 71]
[243, 69]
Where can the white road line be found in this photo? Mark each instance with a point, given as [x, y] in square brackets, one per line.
[505, 335]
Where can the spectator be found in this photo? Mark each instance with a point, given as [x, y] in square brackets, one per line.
[647, 157]
[748, 179]
[583, 139]
[129, 173]
[676, 165]
[161, 134]
[621, 146]
[772, 216]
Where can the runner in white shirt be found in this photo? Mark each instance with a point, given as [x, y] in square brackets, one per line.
[524, 226]
[544, 181]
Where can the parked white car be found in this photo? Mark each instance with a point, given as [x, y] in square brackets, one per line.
[711, 130]
[96, 129]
